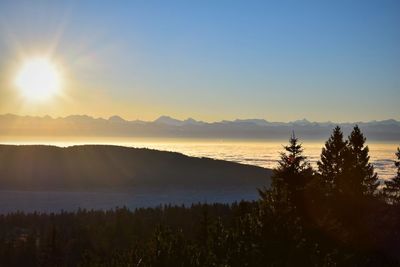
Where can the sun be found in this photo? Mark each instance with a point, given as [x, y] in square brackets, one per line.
[38, 79]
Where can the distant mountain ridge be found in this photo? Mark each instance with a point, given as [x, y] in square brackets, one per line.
[165, 126]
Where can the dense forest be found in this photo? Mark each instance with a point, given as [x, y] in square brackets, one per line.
[339, 214]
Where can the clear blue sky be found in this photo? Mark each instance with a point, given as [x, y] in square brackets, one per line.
[211, 60]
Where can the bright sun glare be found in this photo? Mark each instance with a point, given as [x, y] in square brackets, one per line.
[38, 79]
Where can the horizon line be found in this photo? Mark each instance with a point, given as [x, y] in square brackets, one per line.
[191, 119]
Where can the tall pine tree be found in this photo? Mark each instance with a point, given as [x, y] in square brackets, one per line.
[290, 177]
[358, 177]
[331, 165]
[283, 210]
[392, 187]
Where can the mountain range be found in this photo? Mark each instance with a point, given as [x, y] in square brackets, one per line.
[168, 127]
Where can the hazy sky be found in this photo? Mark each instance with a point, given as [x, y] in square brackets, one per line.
[211, 60]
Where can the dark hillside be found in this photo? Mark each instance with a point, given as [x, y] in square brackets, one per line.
[102, 166]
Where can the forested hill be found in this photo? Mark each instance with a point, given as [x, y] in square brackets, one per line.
[86, 167]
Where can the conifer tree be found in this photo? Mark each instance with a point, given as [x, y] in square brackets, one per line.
[294, 169]
[283, 211]
[392, 187]
[358, 178]
[290, 177]
[332, 159]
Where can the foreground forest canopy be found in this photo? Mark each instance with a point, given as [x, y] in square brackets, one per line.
[337, 215]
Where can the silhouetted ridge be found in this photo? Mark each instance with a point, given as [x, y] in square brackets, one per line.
[93, 166]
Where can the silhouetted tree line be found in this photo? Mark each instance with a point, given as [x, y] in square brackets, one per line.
[337, 215]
